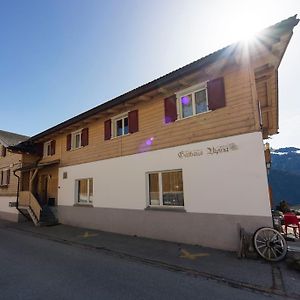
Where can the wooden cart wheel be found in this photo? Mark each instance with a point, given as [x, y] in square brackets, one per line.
[270, 244]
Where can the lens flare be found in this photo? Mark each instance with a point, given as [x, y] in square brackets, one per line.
[146, 145]
[185, 100]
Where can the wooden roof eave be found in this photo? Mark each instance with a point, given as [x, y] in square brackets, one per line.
[166, 90]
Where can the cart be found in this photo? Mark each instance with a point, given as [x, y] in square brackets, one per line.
[270, 242]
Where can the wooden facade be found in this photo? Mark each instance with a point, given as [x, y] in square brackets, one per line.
[9, 163]
[236, 117]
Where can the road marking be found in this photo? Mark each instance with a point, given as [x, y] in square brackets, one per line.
[87, 235]
[192, 256]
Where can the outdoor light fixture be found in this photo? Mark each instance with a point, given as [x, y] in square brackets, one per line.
[268, 156]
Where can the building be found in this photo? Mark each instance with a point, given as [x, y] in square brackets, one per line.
[8, 182]
[180, 158]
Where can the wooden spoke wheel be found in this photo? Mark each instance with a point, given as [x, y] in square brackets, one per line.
[270, 244]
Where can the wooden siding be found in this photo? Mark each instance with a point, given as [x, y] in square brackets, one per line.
[11, 161]
[236, 118]
[52, 173]
[267, 96]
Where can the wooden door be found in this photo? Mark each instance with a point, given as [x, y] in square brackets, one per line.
[43, 189]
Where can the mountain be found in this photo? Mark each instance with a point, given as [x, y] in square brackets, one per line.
[284, 176]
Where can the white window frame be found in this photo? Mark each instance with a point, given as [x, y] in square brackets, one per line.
[1, 150]
[90, 197]
[46, 145]
[73, 139]
[191, 91]
[114, 121]
[2, 177]
[161, 204]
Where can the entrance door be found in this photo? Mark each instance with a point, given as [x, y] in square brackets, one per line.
[44, 189]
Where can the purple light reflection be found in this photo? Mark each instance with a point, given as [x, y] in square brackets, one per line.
[149, 141]
[185, 100]
[146, 145]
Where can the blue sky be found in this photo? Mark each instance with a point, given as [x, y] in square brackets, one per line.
[59, 58]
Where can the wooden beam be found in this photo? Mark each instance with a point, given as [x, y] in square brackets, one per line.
[95, 118]
[184, 83]
[112, 110]
[129, 104]
[164, 91]
[215, 68]
[144, 98]
[31, 178]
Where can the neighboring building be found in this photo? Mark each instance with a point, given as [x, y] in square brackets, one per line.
[8, 182]
[180, 158]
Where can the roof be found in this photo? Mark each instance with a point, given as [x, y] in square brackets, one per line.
[38, 165]
[272, 31]
[10, 139]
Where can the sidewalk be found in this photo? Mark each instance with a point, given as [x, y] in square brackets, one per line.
[223, 266]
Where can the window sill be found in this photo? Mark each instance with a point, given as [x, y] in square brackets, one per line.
[47, 156]
[83, 205]
[166, 208]
[189, 117]
[74, 149]
[119, 136]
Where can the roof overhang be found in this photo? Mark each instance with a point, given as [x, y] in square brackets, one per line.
[38, 165]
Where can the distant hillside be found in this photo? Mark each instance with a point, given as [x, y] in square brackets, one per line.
[284, 176]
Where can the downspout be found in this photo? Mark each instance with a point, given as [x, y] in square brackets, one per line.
[17, 203]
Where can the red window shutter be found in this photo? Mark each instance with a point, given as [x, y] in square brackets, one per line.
[170, 109]
[3, 154]
[107, 129]
[133, 120]
[84, 137]
[39, 149]
[7, 176]
[53, 143]
[69, 138]
[216, 93]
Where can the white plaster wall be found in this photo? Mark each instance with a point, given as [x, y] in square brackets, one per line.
[234, 182]
[4, 201]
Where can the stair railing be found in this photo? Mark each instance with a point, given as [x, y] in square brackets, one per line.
[27, 199]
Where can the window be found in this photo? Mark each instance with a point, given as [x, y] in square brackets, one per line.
[47, 149]
[120, 125]
[193, 101]
[2, 151]
[200, 98]
[76, 139]
[84, 191]
[165, 188]
[4, 177]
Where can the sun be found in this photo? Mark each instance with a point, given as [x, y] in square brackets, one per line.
[245, 23]
[245, 33]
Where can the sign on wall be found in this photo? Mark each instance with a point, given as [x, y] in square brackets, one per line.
[213, 150]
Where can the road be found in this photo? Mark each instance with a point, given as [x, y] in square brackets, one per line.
[36, 268]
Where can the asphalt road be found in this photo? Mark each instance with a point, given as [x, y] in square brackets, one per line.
[35, 268]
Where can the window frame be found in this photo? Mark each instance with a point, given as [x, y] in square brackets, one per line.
[47, 146]
[73, 139]
[3, 151]
[90, 197]
[2, 172]
[160, 187]
[114, 121]
[191, 91]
